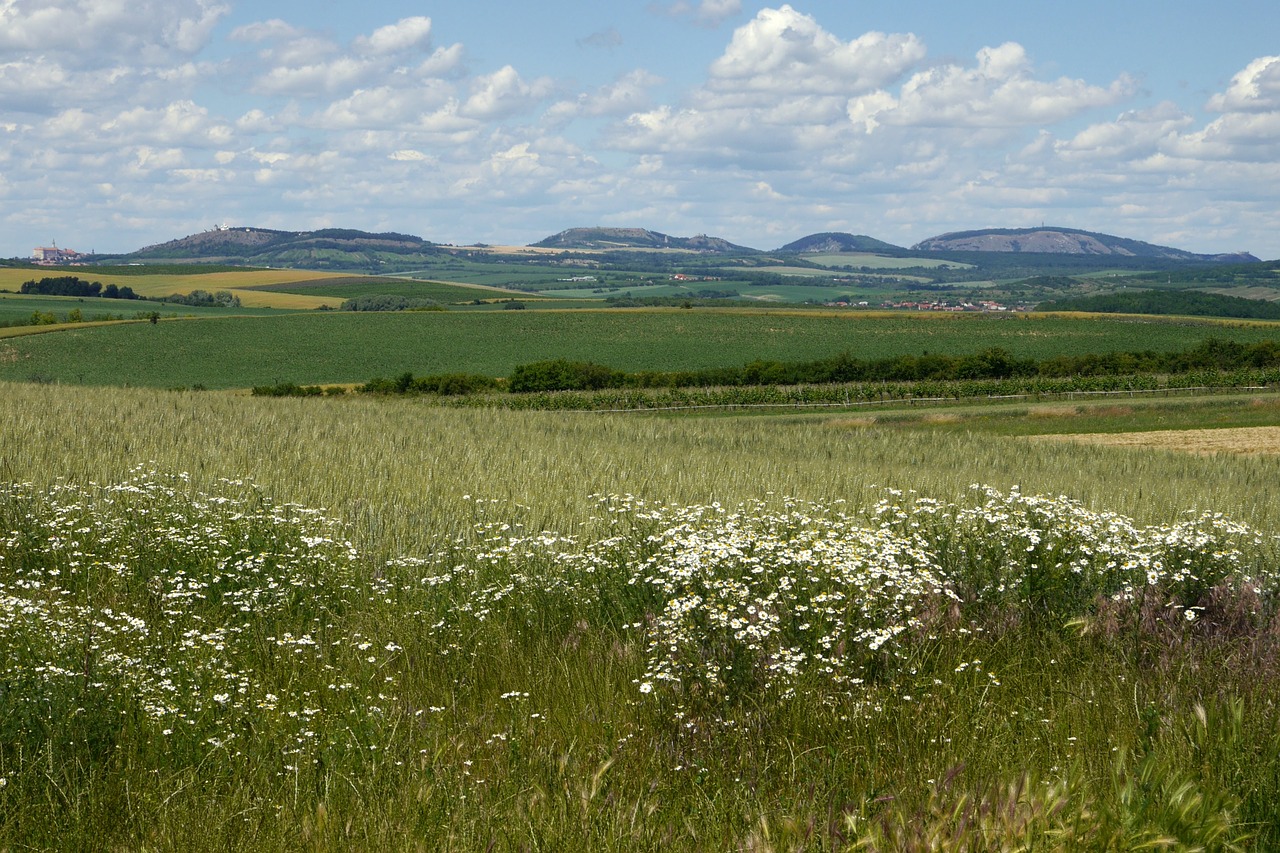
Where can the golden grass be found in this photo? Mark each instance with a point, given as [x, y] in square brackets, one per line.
[1262, 440]
[296, 301]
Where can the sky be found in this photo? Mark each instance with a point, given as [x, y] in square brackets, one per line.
[125, 123]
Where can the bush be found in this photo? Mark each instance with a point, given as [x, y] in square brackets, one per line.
[563, 375]
[391, 302]
[446, 384]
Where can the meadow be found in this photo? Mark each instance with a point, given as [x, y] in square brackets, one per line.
[345, 347]
[351, 287]
[246, 623]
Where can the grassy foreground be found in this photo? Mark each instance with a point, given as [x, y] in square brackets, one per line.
[478, 651]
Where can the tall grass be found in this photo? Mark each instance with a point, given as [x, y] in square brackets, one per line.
[499, 683]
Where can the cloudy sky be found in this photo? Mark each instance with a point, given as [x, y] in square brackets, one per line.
[130, 122]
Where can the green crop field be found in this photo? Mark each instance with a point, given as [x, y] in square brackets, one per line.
[354, 286]
[336, 347]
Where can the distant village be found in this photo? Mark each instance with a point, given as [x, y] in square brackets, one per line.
[933, 305]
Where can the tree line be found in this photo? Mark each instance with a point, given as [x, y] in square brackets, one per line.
[69, 285]
[1211, 356]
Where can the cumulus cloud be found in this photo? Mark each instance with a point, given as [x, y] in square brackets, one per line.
[96, 32]
[406, 34]
[1135, 133]
[999, 91]
[301, 64]
[783, 52]
[629, 93]
[62, 53]
[1254, 89]
[707, 13]
[503, 93]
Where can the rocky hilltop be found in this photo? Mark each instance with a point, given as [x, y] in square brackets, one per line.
[1062, 241]
[635, 238]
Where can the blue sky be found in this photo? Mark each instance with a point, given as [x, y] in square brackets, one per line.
[130, 122]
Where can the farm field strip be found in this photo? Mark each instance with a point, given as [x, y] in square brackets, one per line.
[355, 286]
[336, 347]
[1232, 440]
[238, 282]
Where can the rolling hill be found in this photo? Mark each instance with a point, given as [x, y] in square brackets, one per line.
[1069, 241]
[636, 238]
[829, 242]
[330, 248]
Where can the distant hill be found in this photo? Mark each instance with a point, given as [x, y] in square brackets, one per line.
[1069, 241]
[328, 248]
[834, 242]
[636, 238]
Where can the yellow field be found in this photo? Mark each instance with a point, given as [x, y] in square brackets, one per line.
[165, 285]
[1235, 440]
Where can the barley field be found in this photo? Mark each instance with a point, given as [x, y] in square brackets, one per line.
[247, 623]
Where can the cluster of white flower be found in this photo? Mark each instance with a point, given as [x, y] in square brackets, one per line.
[145, 597]
[1054, 556]
[757, 602]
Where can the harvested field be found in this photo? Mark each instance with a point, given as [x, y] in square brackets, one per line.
[1238, 440]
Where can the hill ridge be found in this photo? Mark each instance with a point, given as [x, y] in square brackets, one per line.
[602, 237]
[838, 241]
[1060, 240]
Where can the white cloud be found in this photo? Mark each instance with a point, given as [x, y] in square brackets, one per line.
[627, 94]
[63, 53]
[179, 123]
[383, 107]
[502, 94]
[783, 52]
[301, 64]
[1135, 133]
[999, 91]
[92, 33]
[793, 128]
[149, 159]
[1254, 89]
[406, 34]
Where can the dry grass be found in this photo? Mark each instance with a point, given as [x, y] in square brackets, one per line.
[1235, 440]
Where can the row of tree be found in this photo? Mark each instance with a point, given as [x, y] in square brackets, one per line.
[69, 285]
[1211, 355]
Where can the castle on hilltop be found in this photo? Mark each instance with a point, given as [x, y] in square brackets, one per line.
[52, 255]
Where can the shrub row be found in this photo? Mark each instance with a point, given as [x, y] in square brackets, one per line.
[69, 285]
